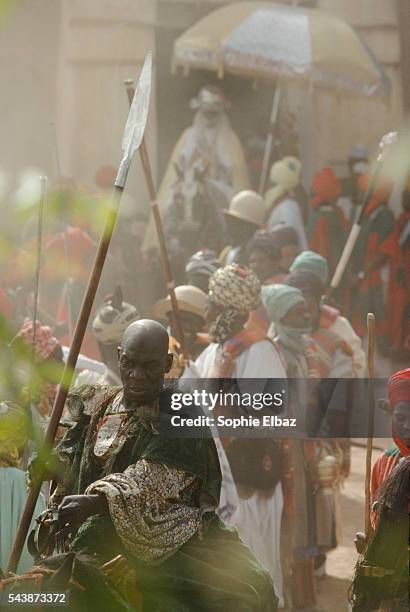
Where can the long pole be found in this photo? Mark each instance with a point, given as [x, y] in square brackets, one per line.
[146, 166]
[371, 348]
[355, 231]
[43, 182]
[67, 287]
[269, 140]
[387, 141]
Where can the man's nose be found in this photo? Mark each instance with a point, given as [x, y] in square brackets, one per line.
[136, 373]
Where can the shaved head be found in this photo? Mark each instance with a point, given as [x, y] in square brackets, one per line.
[144, 334]
[144, 360]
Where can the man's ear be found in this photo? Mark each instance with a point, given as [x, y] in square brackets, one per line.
[170, 359]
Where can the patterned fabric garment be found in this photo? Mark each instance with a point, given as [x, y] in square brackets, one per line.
[148, 507]
[236, 289]
[155, 506]
[45, 342]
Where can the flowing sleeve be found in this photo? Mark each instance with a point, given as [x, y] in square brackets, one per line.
[151, 506]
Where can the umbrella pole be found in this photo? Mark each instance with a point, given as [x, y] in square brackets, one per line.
[269, 140]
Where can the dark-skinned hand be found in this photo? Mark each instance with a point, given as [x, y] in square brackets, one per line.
[74, 510]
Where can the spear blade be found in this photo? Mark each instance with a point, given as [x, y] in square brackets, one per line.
[136, 122]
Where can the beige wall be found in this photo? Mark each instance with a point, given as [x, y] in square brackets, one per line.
[29, 41]
[103, 42]
[64, 62]
[340, 123]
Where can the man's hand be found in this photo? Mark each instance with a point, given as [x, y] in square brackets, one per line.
[75, 509]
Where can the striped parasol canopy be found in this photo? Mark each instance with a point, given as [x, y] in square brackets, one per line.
[269, 40]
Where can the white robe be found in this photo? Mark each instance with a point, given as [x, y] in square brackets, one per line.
[13, 492]
[257, 519]
[288, 212]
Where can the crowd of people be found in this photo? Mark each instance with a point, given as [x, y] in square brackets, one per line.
[215, 523]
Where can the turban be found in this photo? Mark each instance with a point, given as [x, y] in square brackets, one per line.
[284, 234]
[309, 283]
[398, 387]
[326, 187]
[273, 239]
[45, 342]
[309, 261]
[279, 299]
[235, 287]
[203, 262]
[286, 172]
[264, 240]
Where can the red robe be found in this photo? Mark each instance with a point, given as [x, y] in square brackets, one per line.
[398, 293]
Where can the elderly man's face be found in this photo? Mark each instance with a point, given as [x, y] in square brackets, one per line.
[143, 362]
[401, 421]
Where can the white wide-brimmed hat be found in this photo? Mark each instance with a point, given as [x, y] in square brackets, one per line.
[248, 206]
[190, 299]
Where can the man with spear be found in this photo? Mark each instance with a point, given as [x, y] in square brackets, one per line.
[123, 489]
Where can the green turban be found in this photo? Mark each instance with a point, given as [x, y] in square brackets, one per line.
[279, 299]
[309, 261]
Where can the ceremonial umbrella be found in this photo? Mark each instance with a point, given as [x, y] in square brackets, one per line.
[282, 42]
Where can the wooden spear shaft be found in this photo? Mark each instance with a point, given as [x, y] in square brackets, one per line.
[371, 348]
[146, 166]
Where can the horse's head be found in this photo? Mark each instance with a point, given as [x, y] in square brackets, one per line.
[190, 185]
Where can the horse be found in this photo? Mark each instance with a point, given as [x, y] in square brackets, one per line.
[193, 219]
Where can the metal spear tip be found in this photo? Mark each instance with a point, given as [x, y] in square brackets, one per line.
[386, 143]
[136, 122]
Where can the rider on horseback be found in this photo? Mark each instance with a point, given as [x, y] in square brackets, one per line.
[126, 490]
